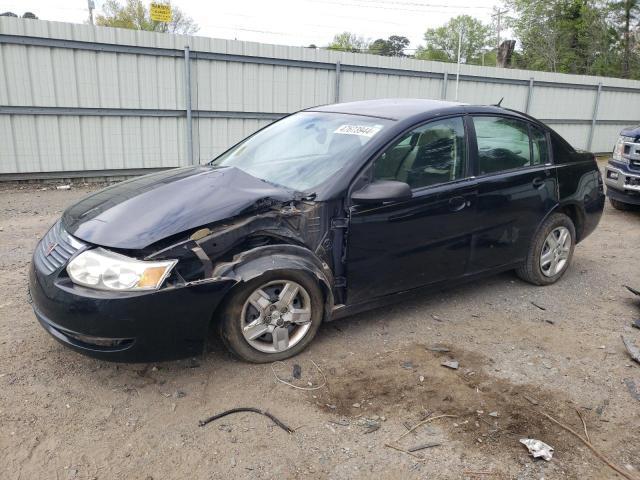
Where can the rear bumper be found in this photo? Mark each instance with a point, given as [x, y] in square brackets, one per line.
[127, 327]
[622, 183]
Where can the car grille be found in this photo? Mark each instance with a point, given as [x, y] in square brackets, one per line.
[55, 249]
[631, 151]
[633, 181]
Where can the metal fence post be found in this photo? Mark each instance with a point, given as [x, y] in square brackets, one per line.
[187, 101]
[529, 94]
[594, 119]
[338, 81]
[445, 79]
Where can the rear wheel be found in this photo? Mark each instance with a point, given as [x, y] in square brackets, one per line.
[618, 205]
[272, 317]
[550, 252]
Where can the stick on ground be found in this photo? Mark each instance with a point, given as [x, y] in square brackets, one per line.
[584, 425]
[619, 470]
[419, 424]
[403, 451]
[417, 448]
[632, 290]
[317, 387]
[409, 452]
[283, 426]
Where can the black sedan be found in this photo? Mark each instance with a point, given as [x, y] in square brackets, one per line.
[329, 211]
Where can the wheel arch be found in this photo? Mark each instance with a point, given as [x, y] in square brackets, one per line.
[576, 214]
[252, 263]
[573, 211]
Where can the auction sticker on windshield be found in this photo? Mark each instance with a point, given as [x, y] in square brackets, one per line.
[361, 130]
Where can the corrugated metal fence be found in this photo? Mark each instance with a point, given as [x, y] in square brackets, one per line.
[77, 100]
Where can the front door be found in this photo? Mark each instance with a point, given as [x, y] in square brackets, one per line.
[399, 246]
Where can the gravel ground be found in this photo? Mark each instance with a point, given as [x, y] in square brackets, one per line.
[66, 416]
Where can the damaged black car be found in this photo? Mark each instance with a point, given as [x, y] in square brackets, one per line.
[330, 211]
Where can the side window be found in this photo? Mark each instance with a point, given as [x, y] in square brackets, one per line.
[539, 147]
[503, 144]
[431, 154]
[562, 151]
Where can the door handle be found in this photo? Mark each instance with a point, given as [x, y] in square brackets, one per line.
[457, 203]
[538, 182]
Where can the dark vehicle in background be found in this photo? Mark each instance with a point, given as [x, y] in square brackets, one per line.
[327, 212]
[622, 174]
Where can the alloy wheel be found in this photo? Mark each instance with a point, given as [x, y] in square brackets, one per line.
[276, 316]
[555, 251]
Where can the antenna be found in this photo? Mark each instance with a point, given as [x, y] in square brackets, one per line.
[499, 104]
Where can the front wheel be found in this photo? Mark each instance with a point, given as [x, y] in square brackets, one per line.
[550, 252]
[272, 317]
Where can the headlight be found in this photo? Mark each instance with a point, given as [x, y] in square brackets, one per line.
[618, 150]
[106, 270]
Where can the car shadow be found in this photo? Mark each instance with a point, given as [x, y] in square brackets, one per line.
[217, 358]
[428, 302]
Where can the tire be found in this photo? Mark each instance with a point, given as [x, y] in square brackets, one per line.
[241, 310]
[539, 271]
[618, 205]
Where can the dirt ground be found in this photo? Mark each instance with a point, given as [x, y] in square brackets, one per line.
[522, 350]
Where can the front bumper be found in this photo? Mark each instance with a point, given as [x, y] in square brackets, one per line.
[125, 326]
[623, 184]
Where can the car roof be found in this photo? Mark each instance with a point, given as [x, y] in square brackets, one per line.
[391, 108]
[412, 108]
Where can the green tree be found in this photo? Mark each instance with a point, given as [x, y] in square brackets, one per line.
[441, 43]
[626, 20]
[348, 42]
[394, 46]
[570, 36]
[135, 15]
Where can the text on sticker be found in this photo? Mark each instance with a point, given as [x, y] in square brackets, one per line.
[362, 130]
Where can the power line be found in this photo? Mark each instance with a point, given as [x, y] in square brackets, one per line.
[426, 5]
[392, 7]
[379, 21]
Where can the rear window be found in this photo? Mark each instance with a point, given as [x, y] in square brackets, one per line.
[539, 146]
[503, 144]
[562, 151]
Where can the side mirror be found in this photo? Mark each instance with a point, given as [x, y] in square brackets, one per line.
[382, 191]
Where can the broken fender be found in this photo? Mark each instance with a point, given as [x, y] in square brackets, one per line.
[253, 263]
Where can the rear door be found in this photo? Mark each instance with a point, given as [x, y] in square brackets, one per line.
[517, 188]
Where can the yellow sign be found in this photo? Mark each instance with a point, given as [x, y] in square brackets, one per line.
[160, 12]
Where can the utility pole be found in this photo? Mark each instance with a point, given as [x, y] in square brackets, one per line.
[91, 6]
[499, 14]
[458, 69]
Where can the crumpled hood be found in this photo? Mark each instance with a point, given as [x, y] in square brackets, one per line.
[139, 212]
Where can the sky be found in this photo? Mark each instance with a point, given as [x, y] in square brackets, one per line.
[291, 22]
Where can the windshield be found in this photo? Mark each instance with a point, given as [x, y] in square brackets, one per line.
[302, 151]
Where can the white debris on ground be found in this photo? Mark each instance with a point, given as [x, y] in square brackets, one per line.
[537, 448]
